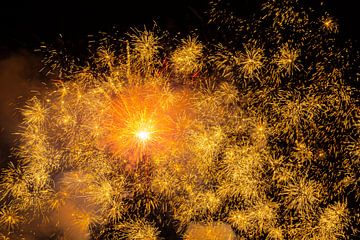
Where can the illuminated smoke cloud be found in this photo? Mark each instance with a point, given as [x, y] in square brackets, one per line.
[213, 231]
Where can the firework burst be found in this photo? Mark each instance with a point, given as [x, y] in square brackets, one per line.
[249, 139]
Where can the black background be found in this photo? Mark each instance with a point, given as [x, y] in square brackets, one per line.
[25, 24]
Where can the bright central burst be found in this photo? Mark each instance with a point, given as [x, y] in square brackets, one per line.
[146, 119]
[143, 135]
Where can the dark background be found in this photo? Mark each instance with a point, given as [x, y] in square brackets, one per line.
[23, 25]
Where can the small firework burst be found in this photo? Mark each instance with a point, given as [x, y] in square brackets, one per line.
[286, 59]
[10, 217]
[187, 58]
[251, 61]
[139, 230]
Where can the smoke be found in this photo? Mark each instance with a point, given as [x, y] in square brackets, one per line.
[20, 80]
[60, 224]
[74, 214]
[70, 219]
[212, 231]
[19, 73]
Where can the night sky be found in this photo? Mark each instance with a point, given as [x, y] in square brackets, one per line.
[23, 25]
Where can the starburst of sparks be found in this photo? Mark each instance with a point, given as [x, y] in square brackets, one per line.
[254, 138]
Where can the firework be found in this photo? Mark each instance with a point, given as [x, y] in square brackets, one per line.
[249, 139]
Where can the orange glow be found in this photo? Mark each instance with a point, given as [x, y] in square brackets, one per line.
[147, 118]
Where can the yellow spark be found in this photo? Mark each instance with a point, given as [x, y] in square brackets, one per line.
[146, 45]
[333, 221]
[187, 58]
[275, 234]
[251, 61]
[302, 196]
[10, 217]
[287, 59]
[139, 230]
[330, 24]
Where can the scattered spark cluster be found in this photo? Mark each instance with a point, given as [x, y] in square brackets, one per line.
[256, 137]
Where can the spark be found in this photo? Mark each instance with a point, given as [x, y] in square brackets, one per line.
[10, 217]
[286, 59]
[251, 61]
[302, 196]
[330, 24]
[187, 58]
